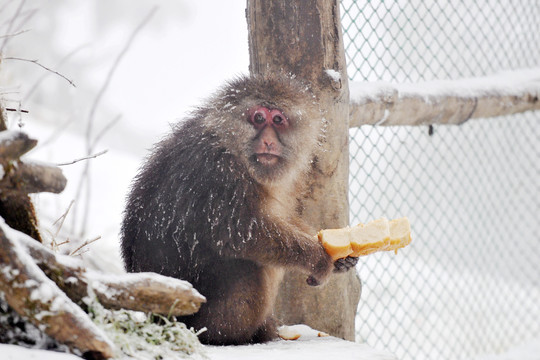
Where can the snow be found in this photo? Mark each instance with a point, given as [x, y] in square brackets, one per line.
[333, 74]
[14, 352]
[515, 82]
[305, 348]
[99, 280]
[529, 350]
[308, 347]
[8, 136]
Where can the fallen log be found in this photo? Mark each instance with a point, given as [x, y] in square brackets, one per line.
[146, 292]
[35, 297]
[28, 178]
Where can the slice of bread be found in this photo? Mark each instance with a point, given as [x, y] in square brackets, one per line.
[400, 234]
[336, 242]
[369, 238]
[377, 235]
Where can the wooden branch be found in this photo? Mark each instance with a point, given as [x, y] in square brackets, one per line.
[18, 179]
[3, 121]
[444, 102]
[35, 297]
[14, 144]
[44, 67]
[32, 178]
[147, 292]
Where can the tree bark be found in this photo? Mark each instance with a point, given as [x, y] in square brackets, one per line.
[303, 37]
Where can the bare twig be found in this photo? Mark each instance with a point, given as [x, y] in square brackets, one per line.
[55, 245]
[112, 70]
[84, 158]
[11, 23]
[43, 66]
[90, 143]
[32, 89]
[86, 243]
[62, 218]
[14, 34]
[24, 18]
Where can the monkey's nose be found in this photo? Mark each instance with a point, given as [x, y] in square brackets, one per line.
[269, 145]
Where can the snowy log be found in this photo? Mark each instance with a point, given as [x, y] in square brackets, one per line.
[146, 292]
[35, 297]
[14, 144]
[444, 101]
[31, 178]
[25, 177]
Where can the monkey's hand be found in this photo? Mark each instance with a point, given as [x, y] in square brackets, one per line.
[344, 264]
[321, 270]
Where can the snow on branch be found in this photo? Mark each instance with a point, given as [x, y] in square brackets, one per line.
[35, 297]
[31, 178]
[146, 292]
[444, 101]
[25, 177]
[14, 144]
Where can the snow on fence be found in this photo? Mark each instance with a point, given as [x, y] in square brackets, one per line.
[470, 281]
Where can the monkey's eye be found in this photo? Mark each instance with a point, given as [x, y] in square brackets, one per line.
[277, 119]
[258, 119]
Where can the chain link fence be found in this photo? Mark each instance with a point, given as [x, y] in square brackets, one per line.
[470, 282]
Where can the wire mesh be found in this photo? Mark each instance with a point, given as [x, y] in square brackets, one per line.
[470, 282]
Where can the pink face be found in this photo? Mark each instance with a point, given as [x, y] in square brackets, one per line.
[269, 123]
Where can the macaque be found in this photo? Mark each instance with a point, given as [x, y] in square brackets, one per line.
[216, 204]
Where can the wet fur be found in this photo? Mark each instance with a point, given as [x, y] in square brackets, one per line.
[202, 211]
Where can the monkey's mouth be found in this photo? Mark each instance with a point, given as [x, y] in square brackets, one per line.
[267, 159]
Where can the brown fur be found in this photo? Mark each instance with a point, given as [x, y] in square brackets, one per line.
[204, 210]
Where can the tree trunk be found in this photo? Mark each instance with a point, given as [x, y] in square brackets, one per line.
[303, 37]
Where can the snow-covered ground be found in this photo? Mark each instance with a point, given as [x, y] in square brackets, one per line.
[310, 348]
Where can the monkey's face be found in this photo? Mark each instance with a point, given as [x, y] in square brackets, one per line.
[271, 123]
[268, 152]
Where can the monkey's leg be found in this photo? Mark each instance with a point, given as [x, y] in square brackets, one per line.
[239, 300]
[267, 331]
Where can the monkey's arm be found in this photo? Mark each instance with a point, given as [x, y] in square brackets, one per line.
[274, 242]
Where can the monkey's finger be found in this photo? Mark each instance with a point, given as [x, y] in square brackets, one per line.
[351, 261]
[339, 266]
[344, 264]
